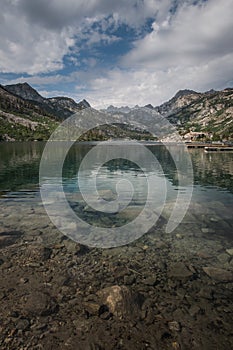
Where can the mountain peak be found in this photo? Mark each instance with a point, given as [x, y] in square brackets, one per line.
[25, 84]
[149, 106]
[185, 92]
[60, 107]
[84, 103]
[25, 91]
[181, 99]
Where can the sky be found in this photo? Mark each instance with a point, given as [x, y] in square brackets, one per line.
[124, 52]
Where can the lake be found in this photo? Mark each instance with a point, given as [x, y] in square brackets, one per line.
[175, 282]
[210, 207]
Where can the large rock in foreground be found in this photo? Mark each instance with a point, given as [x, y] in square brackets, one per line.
[120, 301]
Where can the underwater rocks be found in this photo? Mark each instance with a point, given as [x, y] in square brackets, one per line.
[160, 292]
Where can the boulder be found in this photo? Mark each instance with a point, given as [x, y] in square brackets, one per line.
[120, 301]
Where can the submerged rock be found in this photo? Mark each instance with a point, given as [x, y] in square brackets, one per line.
[120, 301]
[9, 238]
[230, 251]
[217, 274]
[22, 324]
[92, 308]
[40, 304]
[179, 270]
[174, 326]
[207, 230]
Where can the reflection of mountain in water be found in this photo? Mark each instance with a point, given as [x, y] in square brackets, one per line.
[213, 169]
[19, 164]
[162, 161]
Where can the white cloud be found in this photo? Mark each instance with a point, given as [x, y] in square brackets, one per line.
[36, 35]
[190, 46]
[28, 49]
[43, 80]
[194, 34]
[143, 86]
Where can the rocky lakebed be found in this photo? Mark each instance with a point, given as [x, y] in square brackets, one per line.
[163, 291]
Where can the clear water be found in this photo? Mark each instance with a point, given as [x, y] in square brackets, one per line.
[210, 210]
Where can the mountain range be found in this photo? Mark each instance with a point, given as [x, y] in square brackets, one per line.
[59, 107]
[26, 115]
[196, 115]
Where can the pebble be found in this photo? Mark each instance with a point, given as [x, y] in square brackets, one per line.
[174, 326]
[223, 259]
[230, 251]
[40, 304]
[175, 345]
[194, 310]
[150, 281]
[14, 314]
[207, 230]
[91, 308]
[205, 293]
[214, 219]
[129, 280]
[23, 280]
[22, 324]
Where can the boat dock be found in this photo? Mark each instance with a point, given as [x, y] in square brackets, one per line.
[210, 149]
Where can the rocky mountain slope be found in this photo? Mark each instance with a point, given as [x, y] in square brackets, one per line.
[60, 107]
[23, 120]
[197, 116]
[182, 98]
[210, 114]
[26, 115]
[25, 91]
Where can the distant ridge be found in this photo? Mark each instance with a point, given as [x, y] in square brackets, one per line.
[26, 115]
[60, 107]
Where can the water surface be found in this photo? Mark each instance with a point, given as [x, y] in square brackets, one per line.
[210, 209]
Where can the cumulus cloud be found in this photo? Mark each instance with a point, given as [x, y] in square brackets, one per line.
[196, 33]
[30, 49]
[35, 36]
[144, 86]
[190, 48]
[189, 45]
[56, 14]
